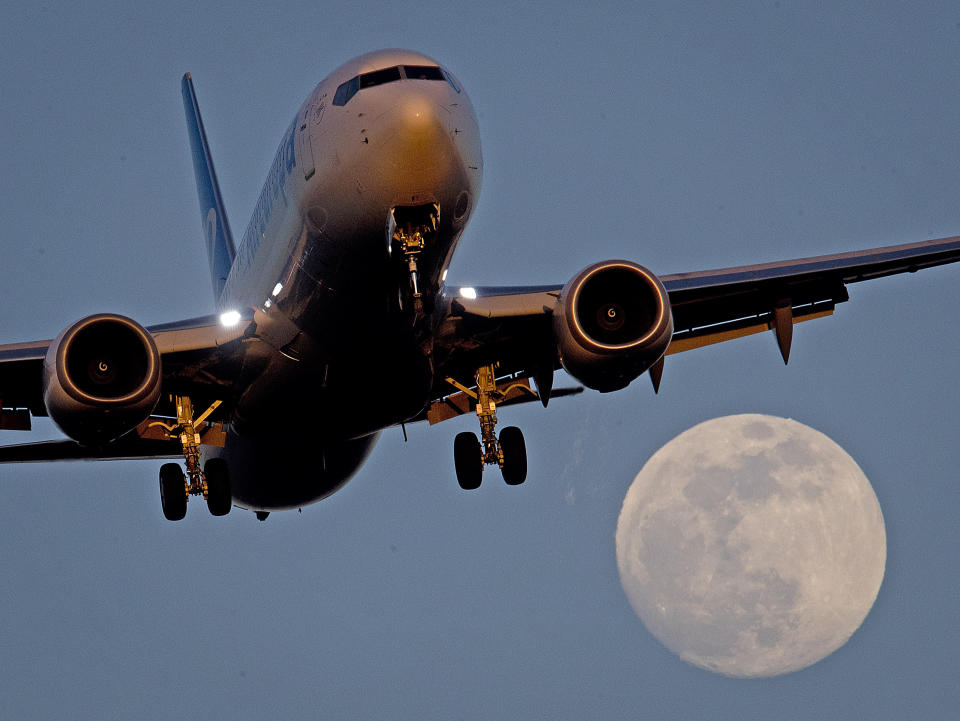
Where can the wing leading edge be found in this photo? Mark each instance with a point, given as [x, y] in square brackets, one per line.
[709, 306]
[512, 326]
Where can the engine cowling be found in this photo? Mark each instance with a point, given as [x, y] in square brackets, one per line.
[101, 378]
[614, 322]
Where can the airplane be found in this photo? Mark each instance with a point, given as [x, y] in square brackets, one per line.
[334, 320]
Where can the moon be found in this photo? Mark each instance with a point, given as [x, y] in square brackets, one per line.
[751, 545]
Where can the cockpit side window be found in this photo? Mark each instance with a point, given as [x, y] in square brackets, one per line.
[449, 78]
[346, 91]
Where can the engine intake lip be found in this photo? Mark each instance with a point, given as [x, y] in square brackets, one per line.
[108, 360]
[634, 296]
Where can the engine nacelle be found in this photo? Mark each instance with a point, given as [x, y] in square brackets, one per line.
[613, 323]
[101, 378]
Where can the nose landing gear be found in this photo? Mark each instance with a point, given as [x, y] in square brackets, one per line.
[509, 451]
[410, 229]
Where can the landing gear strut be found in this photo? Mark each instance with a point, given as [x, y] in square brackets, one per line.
[509, 452]
[409, 230]
[213, 482]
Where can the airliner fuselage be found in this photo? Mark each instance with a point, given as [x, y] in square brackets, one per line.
[387, 145]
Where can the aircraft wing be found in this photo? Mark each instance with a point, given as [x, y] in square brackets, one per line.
[513, 325]
[715, 305]
[124, 449]
[200, 358]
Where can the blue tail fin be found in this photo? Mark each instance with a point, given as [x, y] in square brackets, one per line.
[216, 230]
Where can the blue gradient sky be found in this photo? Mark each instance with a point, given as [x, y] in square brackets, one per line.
[683, 136]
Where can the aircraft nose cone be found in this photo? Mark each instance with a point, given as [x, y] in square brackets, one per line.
[417, 140]
[416, 116]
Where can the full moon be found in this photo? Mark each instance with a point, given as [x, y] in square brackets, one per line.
[751, 545]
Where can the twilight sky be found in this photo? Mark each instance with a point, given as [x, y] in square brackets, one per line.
[680, 135]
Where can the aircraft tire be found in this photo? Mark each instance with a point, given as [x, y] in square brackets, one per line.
[468, 461]
[219, 500]
[173, 493]
[514, 450]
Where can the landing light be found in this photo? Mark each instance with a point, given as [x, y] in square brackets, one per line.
[276, 289]
[230, 318]
[468, 293]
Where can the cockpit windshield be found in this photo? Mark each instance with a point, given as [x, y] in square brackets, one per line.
[351, 87]
[379, 77]
[422, 72]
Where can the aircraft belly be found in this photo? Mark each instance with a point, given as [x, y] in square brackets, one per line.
[380, 382]
[291, 472]
[301, 431]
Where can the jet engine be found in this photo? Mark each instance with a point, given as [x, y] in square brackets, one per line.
[101, 378]
[613, 323]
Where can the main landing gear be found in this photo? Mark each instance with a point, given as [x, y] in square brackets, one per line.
[509, 452]
[213, 482]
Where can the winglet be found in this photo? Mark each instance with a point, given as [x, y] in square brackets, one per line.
[213, 218]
